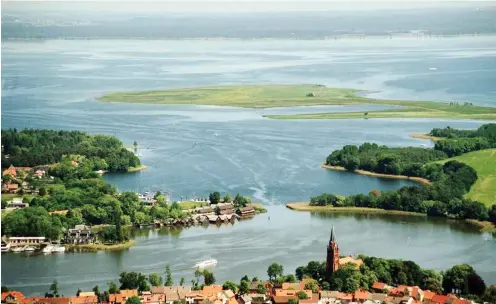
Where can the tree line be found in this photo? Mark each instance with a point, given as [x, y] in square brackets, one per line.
[456, 142]
[462, 279]
[442, 198]
[34, 147]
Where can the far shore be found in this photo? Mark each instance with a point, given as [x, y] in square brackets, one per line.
[425, 136]
[101, 247]
[380, 175]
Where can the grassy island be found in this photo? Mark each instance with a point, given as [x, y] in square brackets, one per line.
[270, 96]
[305, 206]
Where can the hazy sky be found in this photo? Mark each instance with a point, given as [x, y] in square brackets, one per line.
[226, 5]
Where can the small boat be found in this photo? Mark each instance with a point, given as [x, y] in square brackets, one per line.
[48, 249]
[17, 249]
[206, 263]
[5, 247]
[30, 249]
[432, 69]
[58, 249]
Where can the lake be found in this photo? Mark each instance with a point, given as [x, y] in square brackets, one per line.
[192, 150]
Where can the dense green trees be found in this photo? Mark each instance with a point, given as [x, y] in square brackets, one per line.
[134, 280]
[349, 278]
[168, 276]
[457, 142]
[443, 198]
[274, 271]
[382, 159]
[30, 147]
[133, 300]
[230, 285]
[34, 221]
[463, 280]
[214, 197]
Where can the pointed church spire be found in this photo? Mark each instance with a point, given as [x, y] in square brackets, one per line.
[333, 236]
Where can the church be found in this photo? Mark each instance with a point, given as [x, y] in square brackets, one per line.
[334, 261]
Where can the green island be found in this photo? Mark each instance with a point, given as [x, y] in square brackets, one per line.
[270, 96]
[457, 178]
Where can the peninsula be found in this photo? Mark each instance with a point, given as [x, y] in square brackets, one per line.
[272, 96]
[456, 178]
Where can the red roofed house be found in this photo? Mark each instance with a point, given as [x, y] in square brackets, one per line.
[313, 300]
[361, 296]
[438, 299]
[84, 299]
[122, 296]
[379, 286]
[12, 297]
[10, 171]
[53, 301]
[428, 295]
[30, 300]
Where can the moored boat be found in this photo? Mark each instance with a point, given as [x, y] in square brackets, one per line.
[17, 249]
[48, 249]
[30, 248]
[58, 249]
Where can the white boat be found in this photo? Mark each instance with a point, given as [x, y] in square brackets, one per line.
[48, 249]
[5, 247]
[58, 249]
[17, 249]
[432, 69]
[206, 263]
[30, 248]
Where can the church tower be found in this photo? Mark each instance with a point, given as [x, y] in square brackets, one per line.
[332, 254]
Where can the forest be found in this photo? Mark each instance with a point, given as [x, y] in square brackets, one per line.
[34, 147]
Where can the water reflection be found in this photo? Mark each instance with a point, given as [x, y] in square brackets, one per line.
[455, 225]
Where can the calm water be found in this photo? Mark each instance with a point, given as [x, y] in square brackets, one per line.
[192, 150]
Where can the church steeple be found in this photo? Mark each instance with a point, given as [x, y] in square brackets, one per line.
[333, 236]
[332, 254]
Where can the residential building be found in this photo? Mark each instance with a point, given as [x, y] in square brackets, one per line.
[361, 296]
[64, 300]
[379, 286]
[254, 287]
[17, 203]
[84, 299]
[80, 234]
[10, 171]
[122, 296]
[12, 297]
[10, 187]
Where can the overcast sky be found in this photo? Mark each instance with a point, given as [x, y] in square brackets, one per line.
[227, 5]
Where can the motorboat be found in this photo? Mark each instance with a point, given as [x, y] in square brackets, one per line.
[48, 249]
[206, 263]
[17, 249]
[30, 249]
[58, 249]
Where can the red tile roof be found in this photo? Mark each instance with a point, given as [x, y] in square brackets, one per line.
[30, 300]
[439, 299]
[428, 295]
[379, 285]
[54, 300]
[84, 300]
[361, 295]
[283, 299]
[17, 295]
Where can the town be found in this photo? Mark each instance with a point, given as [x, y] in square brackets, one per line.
[278, 289]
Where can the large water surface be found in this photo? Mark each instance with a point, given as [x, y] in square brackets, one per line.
[192, 150]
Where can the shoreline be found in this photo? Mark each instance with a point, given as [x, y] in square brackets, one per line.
[425, 136]
[100, 247]
[136, 169]
[305, 207]
[481, 226]
[380, 175]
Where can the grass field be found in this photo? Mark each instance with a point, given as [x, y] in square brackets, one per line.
[484, 162]
[305, 206]
[267, 96]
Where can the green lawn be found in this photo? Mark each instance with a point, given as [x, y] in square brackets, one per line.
[484, 162]
[9, 197]
[266, 96]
